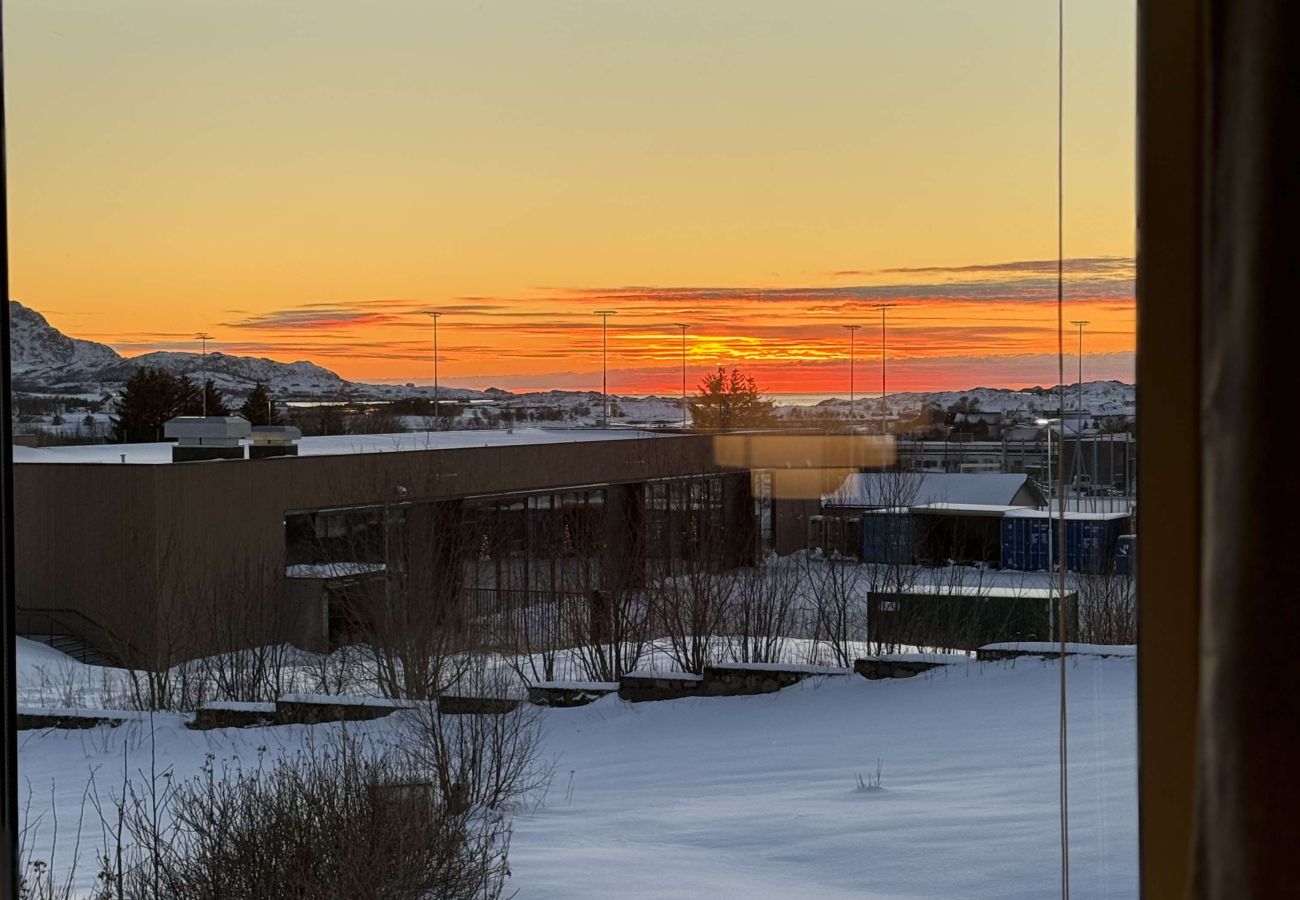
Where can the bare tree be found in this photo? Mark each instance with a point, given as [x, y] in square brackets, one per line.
[605, 609]
[421, 634]
[394, 580]
[693, 591]
[162, 674]
[247, 627]
[890, 536]
[490, 761]
[838, 607]
[763, 613]
[1107, 607]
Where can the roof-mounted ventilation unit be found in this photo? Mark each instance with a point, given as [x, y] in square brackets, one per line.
[213, 437]
[274, 440]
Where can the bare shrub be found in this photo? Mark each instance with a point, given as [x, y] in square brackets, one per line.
[409, 617]
[838, 607]
[763, 613]
[871, 782]
[605, 610]
[488, 762]
[374, 420]
[184, 686]
[337, 672]
[693, 595]
[1107, 607]
[348, 820]
[694, 609]
[40, 878]
[251, 627]
[209, 642]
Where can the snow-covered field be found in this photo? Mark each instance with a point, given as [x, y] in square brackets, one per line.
[753, 797]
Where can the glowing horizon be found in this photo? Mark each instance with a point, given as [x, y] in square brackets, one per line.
[305, 183]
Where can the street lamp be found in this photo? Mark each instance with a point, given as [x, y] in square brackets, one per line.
[604, 351]
[1048, 424]
[203, 371]
[882, 307]
[1078, 434]
[683, 326]
[852, 330]
[435, 316]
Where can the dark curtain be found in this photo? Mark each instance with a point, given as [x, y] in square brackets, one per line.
[1248, 823]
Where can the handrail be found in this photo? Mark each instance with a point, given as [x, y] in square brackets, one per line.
[108, 644]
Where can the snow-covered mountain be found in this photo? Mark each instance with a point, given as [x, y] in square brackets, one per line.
[46, 360]
[236, 374]
[44, 355]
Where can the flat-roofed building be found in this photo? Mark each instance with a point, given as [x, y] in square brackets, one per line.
[153, 560]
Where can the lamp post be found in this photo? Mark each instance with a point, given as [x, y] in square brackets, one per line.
[203, 370]
[435, 316]
[1048, 424]
[883, 307]
[1078, 434]
[683, 326]
[852, 330]
[604, 352]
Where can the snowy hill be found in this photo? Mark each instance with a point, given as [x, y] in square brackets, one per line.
[46, 360]
[235, 374]
[44, 355]
[1100, 398]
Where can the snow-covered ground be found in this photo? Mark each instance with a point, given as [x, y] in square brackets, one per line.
[757, 797]
[754, 797]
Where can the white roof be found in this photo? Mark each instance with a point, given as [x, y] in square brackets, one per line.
[1022, 512]
[872, 489]
[967, 509]
[338, 445]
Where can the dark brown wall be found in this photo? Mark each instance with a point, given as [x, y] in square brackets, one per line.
[86, 548]
[141, 550]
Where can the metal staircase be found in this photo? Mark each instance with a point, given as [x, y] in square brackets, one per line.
[72, 646]
[72, 632]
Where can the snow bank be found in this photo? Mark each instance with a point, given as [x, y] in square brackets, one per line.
[1048, 647]
[575, 685]
[347, 700]
[240, 706]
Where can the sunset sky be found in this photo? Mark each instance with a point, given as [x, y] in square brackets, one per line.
[304, 178]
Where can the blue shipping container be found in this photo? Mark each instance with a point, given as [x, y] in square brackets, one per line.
[1126, 551]
[1089, 542]
[888, 537]
[1025, 544]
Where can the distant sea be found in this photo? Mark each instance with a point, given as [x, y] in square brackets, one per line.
[809, 399]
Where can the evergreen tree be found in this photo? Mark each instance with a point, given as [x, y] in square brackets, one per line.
[149, 398]
[195, 406]
[730, 399]
[259, 408]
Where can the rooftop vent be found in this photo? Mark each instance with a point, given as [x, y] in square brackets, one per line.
[274, 440]
[213, 437]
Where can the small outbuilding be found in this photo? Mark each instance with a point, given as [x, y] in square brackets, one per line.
[966, 617]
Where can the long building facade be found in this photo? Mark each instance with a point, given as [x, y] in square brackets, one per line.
[155, 562]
